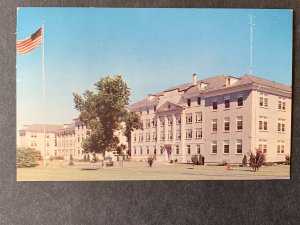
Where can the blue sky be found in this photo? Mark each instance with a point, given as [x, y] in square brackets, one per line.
[152, 49]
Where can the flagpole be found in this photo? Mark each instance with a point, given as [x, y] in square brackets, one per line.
[43, 89]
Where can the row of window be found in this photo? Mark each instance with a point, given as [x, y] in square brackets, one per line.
[34, 136]
[226, 122]
[263, 124]
[226, 147]
[263, 102]
[162, 149]
[34, 144]
[188, 135]
[188, 118]
[68, 152]
[240, 102]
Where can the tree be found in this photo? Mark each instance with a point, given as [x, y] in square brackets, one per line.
[103, 112]
[257, 159]
[244, 161]
[132, 122]
[28, 157]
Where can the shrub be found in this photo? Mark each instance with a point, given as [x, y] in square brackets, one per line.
[28, 157]
[150, 160]
[88, 158]
[223, 163]
[176, 160]
[257, 159]
[84, 158]
[95, 158]
[194, 159]
[244, 162]
[171, 161]
[287, 160]
[58, 157]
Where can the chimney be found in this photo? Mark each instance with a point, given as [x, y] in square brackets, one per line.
[194, 79]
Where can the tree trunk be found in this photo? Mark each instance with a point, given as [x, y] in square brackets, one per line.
[129, 145]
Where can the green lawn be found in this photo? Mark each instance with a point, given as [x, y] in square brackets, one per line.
[55, 171]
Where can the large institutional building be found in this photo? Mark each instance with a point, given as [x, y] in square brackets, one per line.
[221, 118]
[61, 140]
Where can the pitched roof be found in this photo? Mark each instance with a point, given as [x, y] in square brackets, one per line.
[213, 83]
[39, 128]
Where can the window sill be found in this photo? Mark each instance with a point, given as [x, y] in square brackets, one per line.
[213, 153]
[198, 138]
[225, 153]
[199, 121]
[214, 110]
[188, 139]
[239, 153]
[226, 131]
[226, 109]
[238, 107]
[263, 130]
[214, 132]
[238, 130]
[264, 107]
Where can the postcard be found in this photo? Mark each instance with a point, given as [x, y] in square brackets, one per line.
[153, 94]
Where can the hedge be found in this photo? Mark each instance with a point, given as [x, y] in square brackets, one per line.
[28, 157]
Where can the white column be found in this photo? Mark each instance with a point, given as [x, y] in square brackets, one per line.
[166, 127]
[183, 146]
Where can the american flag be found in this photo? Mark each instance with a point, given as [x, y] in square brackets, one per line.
[30, 43]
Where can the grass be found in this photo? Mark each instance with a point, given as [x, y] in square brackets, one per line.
[56, 171]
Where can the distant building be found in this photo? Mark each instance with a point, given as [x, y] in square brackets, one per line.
[221, 118]
[33, 136]
[61, 140]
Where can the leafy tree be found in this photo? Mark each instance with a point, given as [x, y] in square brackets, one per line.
[28, 157]
[102, 112]
[132, 122]
[257, 159]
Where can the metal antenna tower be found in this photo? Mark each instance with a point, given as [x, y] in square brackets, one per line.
[251, 23]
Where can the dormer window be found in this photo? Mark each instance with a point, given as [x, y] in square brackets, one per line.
[199, 100]
[189, 102]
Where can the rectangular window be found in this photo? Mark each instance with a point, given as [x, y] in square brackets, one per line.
[178, 119]
[189, 102]
[226, 147]
[281, 125]
[153, 123]
[178, 134]
[283, 105]
[170, 121]
[214, 125]
[134, 150]
[261, 101]
[154, 137]
[189, 118]
[214, 147]
[148, 137]
[215, 105]
[147, 149]
[177, 149]
[279, 105]
[141, 151]
[147, 123]
[162, 135]
[226, 102]
[198, 150]
[188, 134]
[161, 150]
[239, 146]
[134, 138]
[198, 116]
[265, 149]
[239, 123]
[226, 124]
[170, 136]
[199, 100]
[188, 149]
[199, 133]
[263, 123]
[162, 121]
[240, 99]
